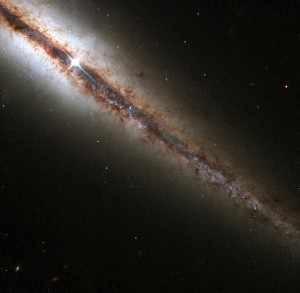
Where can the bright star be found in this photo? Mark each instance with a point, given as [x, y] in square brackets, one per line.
[75, 62]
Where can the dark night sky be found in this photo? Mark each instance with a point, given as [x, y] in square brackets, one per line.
[74, 216]
[249, 52]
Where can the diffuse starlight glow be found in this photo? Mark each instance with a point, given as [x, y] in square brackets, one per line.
[92, 84]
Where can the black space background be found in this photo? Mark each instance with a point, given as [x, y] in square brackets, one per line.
[64, 216]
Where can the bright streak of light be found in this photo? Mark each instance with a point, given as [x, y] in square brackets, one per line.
[75, 62]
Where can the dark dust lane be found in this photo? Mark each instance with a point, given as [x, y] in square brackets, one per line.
[90, 82]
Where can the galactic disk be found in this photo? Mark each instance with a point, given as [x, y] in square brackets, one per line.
[96, 82]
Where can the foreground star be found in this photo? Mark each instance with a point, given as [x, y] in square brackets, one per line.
[75, 62]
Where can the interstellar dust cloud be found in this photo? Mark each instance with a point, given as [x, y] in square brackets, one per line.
[40, 37]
